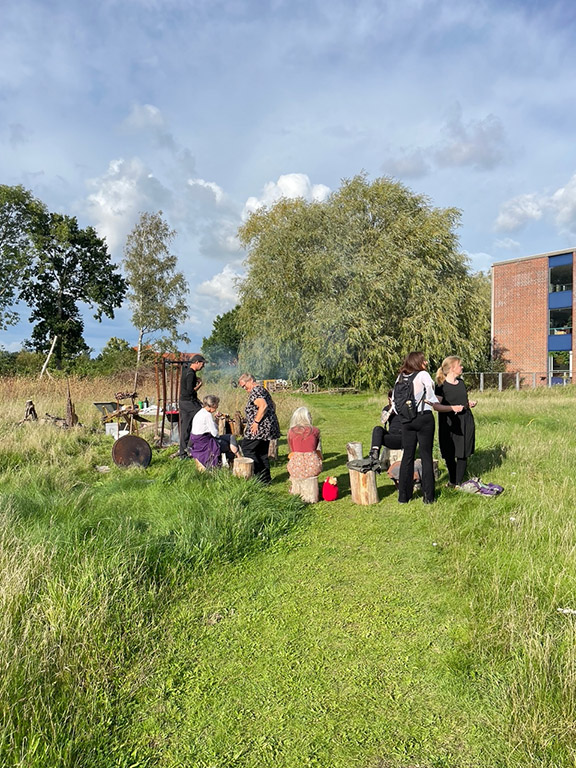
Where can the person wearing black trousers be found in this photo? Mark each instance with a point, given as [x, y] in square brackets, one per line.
[456, 431]
[189, 404]
[261, 426]
[389, 434]
[420, 431]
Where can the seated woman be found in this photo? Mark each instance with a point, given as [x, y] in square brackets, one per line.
[206, 444]
[305, 457]
[389, 434]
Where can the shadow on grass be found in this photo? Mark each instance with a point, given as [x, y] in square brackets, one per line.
[490, 458]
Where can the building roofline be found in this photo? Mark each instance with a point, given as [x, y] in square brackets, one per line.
[535, 256]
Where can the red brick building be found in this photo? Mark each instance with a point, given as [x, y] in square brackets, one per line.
[532, 308]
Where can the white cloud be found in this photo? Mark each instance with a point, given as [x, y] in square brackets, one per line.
[507, 244]
[126, 188]
[290, 185]
[563, 203]
[146, 118]
[215, 190]
[517, 212]
[560, 206]
[222, 287]
[480, 262]
[479, 144]
[410, 163]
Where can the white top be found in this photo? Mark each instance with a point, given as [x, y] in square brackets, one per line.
[423, 382]
[204, 422]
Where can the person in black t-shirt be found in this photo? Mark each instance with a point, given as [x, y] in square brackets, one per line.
[189, 404]
[456, 431]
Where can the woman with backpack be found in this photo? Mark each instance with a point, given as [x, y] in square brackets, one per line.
[414, 400]
[456, 431]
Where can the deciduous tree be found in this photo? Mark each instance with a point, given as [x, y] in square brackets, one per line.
[345, 288]
[223, 344]
[70, 266]
[22, 219]
[157, 291]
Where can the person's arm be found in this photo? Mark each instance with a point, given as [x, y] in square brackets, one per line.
[260, 403]
[447, 408]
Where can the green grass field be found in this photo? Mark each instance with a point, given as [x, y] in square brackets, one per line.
[165, 618]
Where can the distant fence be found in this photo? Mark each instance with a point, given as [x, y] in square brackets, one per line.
[517, 380]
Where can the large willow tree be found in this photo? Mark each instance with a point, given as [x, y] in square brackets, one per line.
[345, 288]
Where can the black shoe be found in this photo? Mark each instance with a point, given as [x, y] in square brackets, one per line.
[374, 454]
[428, 501]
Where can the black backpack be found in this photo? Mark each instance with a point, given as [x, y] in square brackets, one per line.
[405, 403]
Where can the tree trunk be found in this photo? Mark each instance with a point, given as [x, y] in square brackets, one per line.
[138, 355]
[243, 467]
[362, 484]
[307, 488]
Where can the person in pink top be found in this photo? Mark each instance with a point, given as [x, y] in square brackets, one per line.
[305, 457]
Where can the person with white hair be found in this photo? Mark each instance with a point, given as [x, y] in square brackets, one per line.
[305, 457]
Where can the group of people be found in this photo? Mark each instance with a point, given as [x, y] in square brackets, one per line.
[448, 396]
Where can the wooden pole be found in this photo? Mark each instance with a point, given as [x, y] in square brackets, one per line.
[43, 371]
[164, 402]
[243, 467]
[157, 372]
[362, 484]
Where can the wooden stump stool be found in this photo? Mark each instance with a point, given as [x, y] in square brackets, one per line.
[390, 455]
[307, 488]
[243, 467]
[362, 484]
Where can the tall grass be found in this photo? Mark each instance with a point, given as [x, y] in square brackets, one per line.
[89, 562]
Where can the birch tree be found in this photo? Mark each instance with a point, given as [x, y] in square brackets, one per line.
[157, 291]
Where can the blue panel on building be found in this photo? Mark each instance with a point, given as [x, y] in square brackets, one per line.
[559, 261]
[560, 300]
[560, 343]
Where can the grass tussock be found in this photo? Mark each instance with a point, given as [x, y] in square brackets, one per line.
[89, 563]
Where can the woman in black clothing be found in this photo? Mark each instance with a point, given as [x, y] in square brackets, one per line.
[456, 431]
[389, 434]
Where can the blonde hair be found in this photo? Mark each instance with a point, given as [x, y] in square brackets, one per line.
[301, 418]
[445, 368]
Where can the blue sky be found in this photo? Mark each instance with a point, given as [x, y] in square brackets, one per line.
[207, 108]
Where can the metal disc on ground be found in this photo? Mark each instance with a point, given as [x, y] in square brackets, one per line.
[131, 450]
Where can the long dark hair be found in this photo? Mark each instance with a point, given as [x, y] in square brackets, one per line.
[414, 361]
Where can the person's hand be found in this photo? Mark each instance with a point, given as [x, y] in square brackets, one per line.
[473, 403]
[198, 385]
[254, 428]
[457, 408]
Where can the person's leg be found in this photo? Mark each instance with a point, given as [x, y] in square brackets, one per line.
[257, 450]
[376, 444]
[264, 474]
[393, 442]
[460, 471]
[426, 426]
[406, 479]
[187, 412]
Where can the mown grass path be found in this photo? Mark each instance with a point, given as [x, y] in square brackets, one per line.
[344, 644]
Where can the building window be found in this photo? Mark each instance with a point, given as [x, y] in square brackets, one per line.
[560, 321]
[560, 367]
[560, 278]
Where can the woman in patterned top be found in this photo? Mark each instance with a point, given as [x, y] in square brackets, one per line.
[261, 426]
